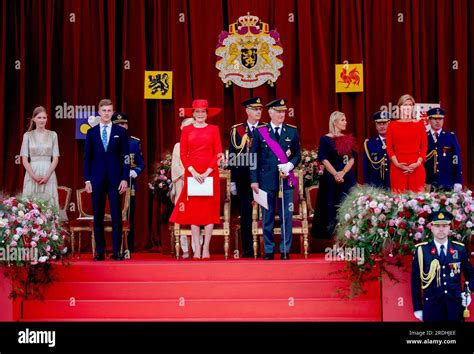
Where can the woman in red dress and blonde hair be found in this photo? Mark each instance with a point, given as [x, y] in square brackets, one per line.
[406, 148]
[200, 151]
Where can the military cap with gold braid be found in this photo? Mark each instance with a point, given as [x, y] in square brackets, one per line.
[441, 218]
[119, 117]
[253, 102]
[277, 105]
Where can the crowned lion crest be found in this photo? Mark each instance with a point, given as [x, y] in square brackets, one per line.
[249, 55]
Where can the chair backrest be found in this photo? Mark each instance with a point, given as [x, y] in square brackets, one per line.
[224, 179]
[84, 203]
[311, 193]
[64, 195]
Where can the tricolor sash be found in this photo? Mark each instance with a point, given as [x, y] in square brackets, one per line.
[279, 153]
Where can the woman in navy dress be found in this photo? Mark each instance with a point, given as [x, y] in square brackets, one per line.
[336, 152]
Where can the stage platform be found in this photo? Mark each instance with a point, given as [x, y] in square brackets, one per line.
[153, 287]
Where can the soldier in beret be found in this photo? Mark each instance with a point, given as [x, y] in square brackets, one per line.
[436, 286]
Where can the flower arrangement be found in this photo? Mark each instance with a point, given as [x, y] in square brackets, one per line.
[160, 179]
[386, 226]
[311, 167]
[31, 236]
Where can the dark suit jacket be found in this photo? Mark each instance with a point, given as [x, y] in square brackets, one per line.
[266, 173]
[112, 165]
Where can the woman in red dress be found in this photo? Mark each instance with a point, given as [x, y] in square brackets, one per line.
[201, 149]
[406, 147]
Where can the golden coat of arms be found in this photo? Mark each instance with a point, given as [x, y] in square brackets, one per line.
[249, 55]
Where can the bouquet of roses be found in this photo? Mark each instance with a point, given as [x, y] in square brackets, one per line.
[384, 226]
[160, 179]
[30, 232]
[310, 166]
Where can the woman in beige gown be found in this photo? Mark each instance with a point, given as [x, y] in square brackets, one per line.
[39, 153]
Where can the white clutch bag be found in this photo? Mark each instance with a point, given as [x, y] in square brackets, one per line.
[197, 189]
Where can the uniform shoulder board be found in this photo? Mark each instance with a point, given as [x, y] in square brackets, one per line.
[134, 137]
[366, 141]
[261, 125]
[459, 243]
[293, 126]
[236, 125]
[421, 244]
[452, 133]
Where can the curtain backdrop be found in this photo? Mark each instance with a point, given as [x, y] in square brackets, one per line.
[75, 52]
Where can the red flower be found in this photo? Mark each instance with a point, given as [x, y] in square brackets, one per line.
[391, 230]
[456, 224]
[451, 251]
[402, 225]
[433, 251]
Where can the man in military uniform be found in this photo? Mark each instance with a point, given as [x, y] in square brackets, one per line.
[241, 136]
[443, 159]
[137, 165]
[277, 147]
[376, 163]
[436, 286]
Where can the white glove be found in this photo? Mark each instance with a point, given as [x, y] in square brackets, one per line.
[133, 174]
[465, 301]
[457, 187]
[233, 188]
[419, 314]
[285, 167]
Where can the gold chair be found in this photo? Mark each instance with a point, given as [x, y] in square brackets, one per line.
[85, 221]
[300, 220]
[64, 196]
[221, 229]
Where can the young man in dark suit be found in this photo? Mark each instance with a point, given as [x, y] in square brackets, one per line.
[106, 171]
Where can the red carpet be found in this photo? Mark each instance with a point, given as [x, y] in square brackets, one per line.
[152, 287]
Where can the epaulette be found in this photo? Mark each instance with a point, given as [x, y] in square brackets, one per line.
[459, 243]
[452, 133]
[421, 244]
[292, 126]
[261, 125]
[134, 137]
[236, 125]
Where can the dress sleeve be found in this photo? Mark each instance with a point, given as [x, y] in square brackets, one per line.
[25, 145]
[183, 145]
[390, 150]
[55, 145]
[217, 148]
[322, 149]
[424, 141]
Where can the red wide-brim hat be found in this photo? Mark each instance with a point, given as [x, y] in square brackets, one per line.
[211, 111]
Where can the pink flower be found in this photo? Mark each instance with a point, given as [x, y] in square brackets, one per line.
[391, 222]
[162, 172]
[377, 211]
